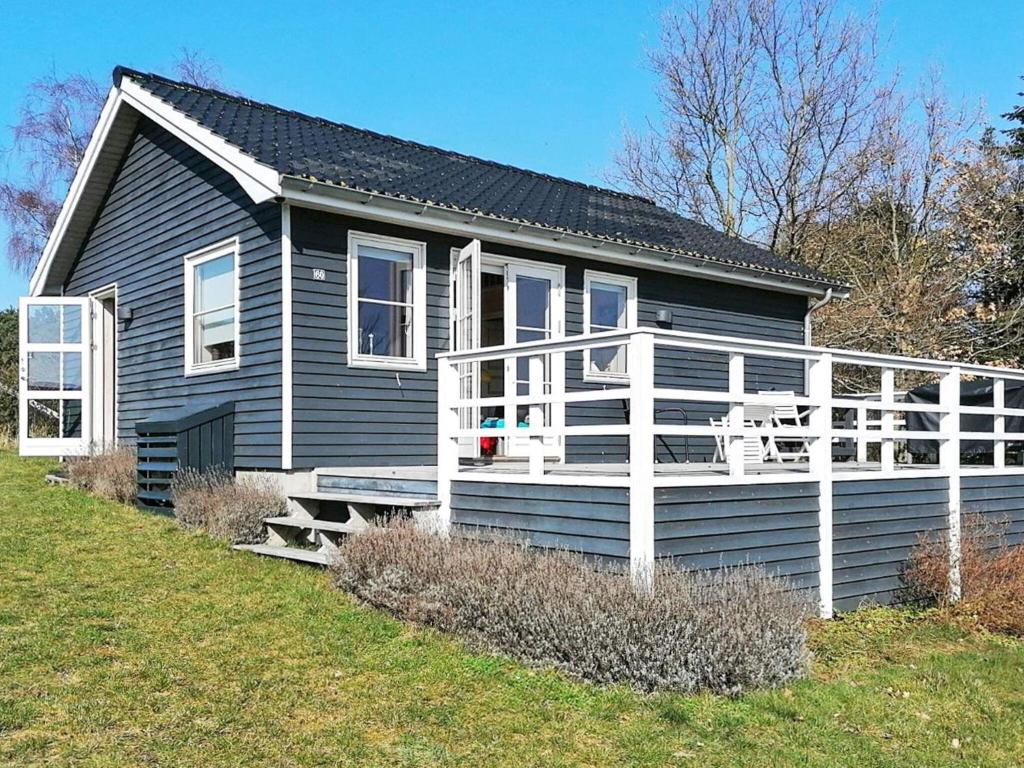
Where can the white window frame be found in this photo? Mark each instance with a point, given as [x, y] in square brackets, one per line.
[629, 283]
[228, 247]
[418, 250]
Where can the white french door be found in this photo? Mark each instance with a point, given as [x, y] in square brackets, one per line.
[534, 311]
[497, 301]
[466, 335]
[55, 376]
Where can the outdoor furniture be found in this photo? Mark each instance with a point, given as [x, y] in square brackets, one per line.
[787, 415]
[754, 449]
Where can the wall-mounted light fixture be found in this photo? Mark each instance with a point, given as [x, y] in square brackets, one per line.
[664, 319]
[125, 315]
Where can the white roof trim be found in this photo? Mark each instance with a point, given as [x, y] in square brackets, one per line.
[260, 182]
[99, 135]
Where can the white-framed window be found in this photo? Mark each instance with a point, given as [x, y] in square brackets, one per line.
[212, 339]
[609, 303]
[387, 302]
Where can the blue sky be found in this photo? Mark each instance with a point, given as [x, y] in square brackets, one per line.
[541, 84]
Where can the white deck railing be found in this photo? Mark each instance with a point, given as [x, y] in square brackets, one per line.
[553, 388]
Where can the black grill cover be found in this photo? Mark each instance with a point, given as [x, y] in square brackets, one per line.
[974, 393]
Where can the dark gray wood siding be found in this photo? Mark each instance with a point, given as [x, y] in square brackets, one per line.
[357, 417]
[999, 499]
[165, 202]
[714, 526]
[594, 521]
[876, 523]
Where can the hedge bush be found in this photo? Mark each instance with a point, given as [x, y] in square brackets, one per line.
[991, 575]
[226, 507]
[723, 631]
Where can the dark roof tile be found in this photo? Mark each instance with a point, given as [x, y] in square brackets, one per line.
[300, 145]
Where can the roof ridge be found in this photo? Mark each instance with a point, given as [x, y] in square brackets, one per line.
[120, 71]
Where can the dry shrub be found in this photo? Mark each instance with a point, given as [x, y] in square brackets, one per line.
[991, 575]
[723, 631]
[111, 474]
[226, 507]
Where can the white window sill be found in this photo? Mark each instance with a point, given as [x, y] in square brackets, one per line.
[605, 378]
[388, 363]
[218, 367]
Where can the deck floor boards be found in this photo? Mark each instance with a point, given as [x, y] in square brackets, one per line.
[610, 469]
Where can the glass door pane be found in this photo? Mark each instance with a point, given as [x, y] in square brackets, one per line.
[532, 316]
[54, 376]
[533, 323]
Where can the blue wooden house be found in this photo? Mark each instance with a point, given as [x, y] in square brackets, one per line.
[378, 323]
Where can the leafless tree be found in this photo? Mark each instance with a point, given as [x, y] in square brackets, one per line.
[50, 137]
[49, 140]
[770, 110]
[195, 67]
[928, 242]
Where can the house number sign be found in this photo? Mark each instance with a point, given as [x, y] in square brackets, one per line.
[319, 274]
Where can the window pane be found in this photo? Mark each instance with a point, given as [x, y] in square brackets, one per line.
[215, 336]
[385, 330]
[215, 283]
[71, 418]
[523, 363]
[72, 379]
[608, 360]
[385, 274]
[44, 370]
[532, 295]
[43, 418]
[608, 305]
[72, 324]
[44, 324]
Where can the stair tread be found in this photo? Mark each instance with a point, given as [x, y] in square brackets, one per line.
[312, 522]
[381, 499]
[289, 553]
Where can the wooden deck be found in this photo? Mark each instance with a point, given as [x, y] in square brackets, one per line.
[610, 469]
[690, 469]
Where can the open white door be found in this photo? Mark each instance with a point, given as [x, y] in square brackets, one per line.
[55, 374]
[534, 311]
[466, 335]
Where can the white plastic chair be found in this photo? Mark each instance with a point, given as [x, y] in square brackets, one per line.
[754, 450]
[788, 415]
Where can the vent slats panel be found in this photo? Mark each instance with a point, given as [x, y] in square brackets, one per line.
[155, 474]
[202, 441]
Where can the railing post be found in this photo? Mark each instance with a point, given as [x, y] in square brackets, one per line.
[734, 440]
[641, 459]
[820, 465]
[887, 417]
[862, 434]
[536, 444]
[998, 423]
[447, 446]
[949, 460]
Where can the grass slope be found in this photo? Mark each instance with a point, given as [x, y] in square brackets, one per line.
[125, 641]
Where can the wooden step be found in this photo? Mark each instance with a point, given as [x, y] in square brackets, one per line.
[345, 497]
[288, 553]
[314, 523]
[396, 482]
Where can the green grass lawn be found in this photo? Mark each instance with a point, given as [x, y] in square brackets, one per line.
[126, 641]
